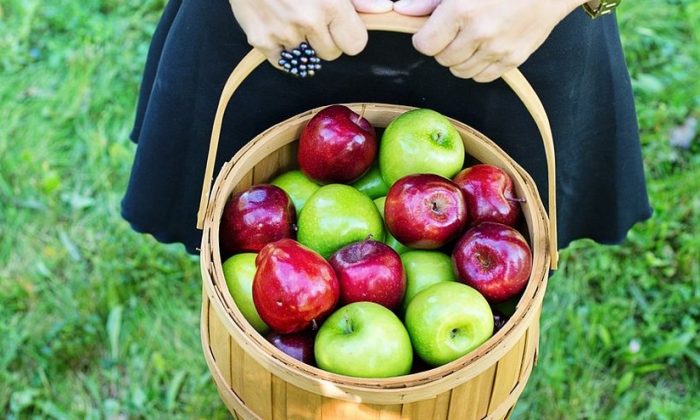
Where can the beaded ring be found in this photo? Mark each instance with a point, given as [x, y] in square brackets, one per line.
[300, 61]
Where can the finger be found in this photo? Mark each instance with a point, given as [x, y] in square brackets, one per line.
[493, 72]
[373, 6]
[459, 50]
[272, 55]
[437, 32]
[321, 40]
[348, 31]
[416, 7]
[473, 66]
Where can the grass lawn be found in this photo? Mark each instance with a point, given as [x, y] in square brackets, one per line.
[97, 321]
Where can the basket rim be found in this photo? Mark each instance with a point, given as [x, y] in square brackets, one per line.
[325, 382]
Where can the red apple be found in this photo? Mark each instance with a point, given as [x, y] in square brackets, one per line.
[425, 211]
[299, 346]
[499, 320]
[337, 146]
[488, 191]
[255, 217]
[369, 271]
[294, 288]
[494, 259]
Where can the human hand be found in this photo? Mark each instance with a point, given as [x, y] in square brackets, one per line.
[483, 39]
[331, 27]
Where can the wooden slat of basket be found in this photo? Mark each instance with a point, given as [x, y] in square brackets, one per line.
[339, 409]
[266, 168]
[462, 404]
[221, 345]
[302, 404]
[279, 399]
[507, 373]
[387, 412]
[228, 395]
[237, 366]
[506, 405]
[257, 387]
[419, 410]
[442, 405]
[288, 157]
[531, 337]
[245, 183]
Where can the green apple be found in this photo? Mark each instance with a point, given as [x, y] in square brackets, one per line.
[239, 271]
[298, 186]
[389, 238]
[423, 269]
[337, 215]
[364, 339]
[420, 141]
[448, 320]
[372, 183]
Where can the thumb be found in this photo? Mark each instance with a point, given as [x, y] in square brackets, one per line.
[373, 6]
[415, 7]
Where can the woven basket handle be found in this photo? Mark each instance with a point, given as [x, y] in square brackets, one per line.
[393, 22]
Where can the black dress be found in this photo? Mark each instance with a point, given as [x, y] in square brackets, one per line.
[579, 74]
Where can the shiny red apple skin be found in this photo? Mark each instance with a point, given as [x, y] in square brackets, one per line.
[255, 217]
[369, 271]
[425, 211]
[493, 258]
[337, 146]
[489, 193]
[300, 346]
[294, 288]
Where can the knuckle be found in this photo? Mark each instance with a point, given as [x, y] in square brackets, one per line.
[421, 44]
[485, 77]
[443, 60]
[494, 52]
[355, 44]
[464, 10]
[306, 21]
[330, 54]
[481, 32]
[457, 72]
[261, 40]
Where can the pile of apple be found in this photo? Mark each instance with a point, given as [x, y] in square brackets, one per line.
[358, 264]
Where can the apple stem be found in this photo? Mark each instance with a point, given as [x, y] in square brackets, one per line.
[347, 325]
[516, 199]
[362, 111]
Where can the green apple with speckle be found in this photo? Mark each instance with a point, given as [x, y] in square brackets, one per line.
[420, 141]
[298, 186]
[423, 269]
[372, 183]
[337, 215]
[366, 340]
[448, 320]
[389, 238]
[239, 271]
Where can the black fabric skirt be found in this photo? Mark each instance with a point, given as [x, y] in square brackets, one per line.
[579, 74]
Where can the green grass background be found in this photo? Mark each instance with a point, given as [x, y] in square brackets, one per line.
[99, 322]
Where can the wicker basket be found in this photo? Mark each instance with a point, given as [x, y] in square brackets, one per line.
[255, 380]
